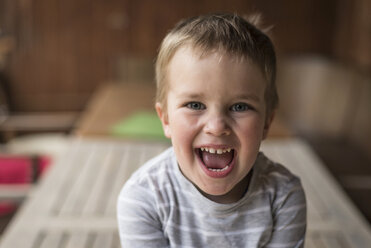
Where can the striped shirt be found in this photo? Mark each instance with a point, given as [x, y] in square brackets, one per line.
[159, 207]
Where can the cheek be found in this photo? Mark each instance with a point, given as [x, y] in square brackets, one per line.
[181, 119]
[252, 130]
[250, 138]
[183, 128]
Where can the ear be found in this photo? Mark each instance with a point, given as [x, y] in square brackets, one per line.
[164, 119]
[268, 122]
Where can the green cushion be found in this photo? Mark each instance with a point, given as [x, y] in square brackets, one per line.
[141, 125]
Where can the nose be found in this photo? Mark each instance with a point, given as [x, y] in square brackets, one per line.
[217, 125]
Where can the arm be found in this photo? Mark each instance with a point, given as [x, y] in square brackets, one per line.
[289, 217]
[138, 221]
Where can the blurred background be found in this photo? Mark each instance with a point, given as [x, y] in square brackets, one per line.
[55, 55]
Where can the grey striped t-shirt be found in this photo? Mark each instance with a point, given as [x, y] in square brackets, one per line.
[159, 207]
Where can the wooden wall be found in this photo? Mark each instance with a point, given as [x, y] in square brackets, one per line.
[352, 43]
[65, 49]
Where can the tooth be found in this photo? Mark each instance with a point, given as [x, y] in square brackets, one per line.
[218, 170]
[213, 150]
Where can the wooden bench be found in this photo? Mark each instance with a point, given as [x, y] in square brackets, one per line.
[38, 122]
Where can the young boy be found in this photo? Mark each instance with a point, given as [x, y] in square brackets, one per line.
[216, 98]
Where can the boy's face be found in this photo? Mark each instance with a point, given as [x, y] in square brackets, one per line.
[215, 118]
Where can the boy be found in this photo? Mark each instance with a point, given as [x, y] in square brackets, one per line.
[216, 98]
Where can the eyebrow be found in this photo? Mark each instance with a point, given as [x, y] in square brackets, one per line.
[190, 95]
[249, 97]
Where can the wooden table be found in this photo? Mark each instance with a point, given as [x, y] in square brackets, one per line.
[74, 204]
[116, 101]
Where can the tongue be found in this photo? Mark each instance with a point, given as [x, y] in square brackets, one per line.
[217, 161]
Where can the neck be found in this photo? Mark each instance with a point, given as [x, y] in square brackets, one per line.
[238, 191]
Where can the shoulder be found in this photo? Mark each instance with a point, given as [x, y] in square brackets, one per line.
[287, 203]
[275, 173]
[281, 183]
[140, 206]
[144, 190]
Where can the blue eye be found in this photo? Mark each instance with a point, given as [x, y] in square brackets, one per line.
[195, 106]
[240, 107]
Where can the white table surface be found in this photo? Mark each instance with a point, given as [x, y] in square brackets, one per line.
[74, 204]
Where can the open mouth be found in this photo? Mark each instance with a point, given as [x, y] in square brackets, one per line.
[216, 162]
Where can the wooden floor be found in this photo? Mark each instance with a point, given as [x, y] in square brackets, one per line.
[74, 205]
[351, 167]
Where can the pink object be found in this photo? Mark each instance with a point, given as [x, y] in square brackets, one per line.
[15, 170]
[20, 170]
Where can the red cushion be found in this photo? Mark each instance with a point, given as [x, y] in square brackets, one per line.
[20, 170]
[15, 170]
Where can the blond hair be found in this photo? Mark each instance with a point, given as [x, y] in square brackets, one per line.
[227, 32]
